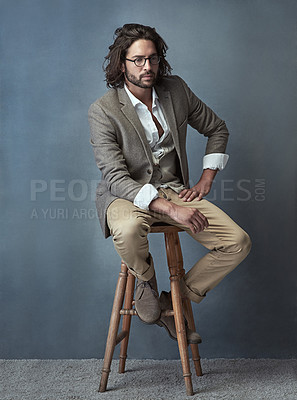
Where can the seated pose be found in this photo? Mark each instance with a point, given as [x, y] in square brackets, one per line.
[138, 133]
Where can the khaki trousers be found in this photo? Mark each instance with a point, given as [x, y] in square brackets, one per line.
[227, 242]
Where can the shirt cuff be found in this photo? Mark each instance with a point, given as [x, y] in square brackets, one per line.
[215, 161]
[145, 195]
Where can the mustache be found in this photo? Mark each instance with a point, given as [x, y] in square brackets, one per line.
[148, 74]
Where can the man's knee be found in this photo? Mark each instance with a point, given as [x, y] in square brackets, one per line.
[245, 243]
[241, 245]
[237, 249]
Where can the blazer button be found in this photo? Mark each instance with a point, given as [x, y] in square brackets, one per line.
[149, 171]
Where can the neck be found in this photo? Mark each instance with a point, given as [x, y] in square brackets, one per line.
[142, 94]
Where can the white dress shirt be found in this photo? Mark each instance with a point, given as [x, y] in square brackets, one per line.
[149, 192]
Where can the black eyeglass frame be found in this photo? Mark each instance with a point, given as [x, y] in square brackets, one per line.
[145, 58]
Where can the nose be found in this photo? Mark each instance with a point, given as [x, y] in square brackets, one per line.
[147, 64]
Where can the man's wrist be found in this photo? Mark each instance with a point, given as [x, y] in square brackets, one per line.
[209, 174]
[162, 206]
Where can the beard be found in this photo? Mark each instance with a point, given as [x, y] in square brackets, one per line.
[138, 82]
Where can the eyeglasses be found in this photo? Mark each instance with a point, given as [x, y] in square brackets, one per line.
[140, 61]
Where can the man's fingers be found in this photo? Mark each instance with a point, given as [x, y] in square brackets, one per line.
[187, 196]
[193, 228]
[191, 196]
[200, 221]
[200, 197]
[183, 192]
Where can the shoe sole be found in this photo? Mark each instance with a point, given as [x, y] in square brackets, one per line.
[149, 323]
[162, 325]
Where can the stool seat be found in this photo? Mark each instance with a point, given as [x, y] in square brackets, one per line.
[161, 227]
[181, 308]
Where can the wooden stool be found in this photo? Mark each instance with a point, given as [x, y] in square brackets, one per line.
[125, 288]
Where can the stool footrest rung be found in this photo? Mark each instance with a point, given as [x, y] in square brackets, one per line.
[165, 313]
[121, 336]
[128, 312]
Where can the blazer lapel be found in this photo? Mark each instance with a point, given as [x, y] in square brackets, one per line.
[129, 111]
[166, 102]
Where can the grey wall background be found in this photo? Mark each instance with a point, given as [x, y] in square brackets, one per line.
[58, 274]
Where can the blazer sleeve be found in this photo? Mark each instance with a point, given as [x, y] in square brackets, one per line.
[205, 121]
[108, 155]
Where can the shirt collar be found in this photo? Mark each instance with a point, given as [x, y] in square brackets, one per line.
[135, 100]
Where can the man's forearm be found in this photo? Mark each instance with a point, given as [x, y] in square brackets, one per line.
[161, 206]
[208, 174]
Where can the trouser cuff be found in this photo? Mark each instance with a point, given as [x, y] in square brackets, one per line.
[149, 272]
[187, 292]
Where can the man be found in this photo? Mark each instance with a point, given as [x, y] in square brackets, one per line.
[138, 133]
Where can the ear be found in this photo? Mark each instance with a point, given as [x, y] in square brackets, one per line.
[123, 68]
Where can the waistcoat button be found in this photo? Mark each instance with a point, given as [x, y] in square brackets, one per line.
[149, 171]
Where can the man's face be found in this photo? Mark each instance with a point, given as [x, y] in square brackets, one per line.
[143, 77]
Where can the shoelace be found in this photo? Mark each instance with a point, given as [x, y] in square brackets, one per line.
[144, 284]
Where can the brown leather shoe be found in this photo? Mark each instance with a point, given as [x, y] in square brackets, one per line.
[147, 302]
[168, 322]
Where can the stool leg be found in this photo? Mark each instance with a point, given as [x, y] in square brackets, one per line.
[126, 321]
[188, 308]
[194, 347]
[113, 326]
[172, 243]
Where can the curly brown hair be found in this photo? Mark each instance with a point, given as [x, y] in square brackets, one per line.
[124, 37]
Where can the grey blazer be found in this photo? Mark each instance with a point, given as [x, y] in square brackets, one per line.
[121, 149]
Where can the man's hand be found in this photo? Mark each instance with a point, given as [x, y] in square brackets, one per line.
[201, 189]
[188, 216]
